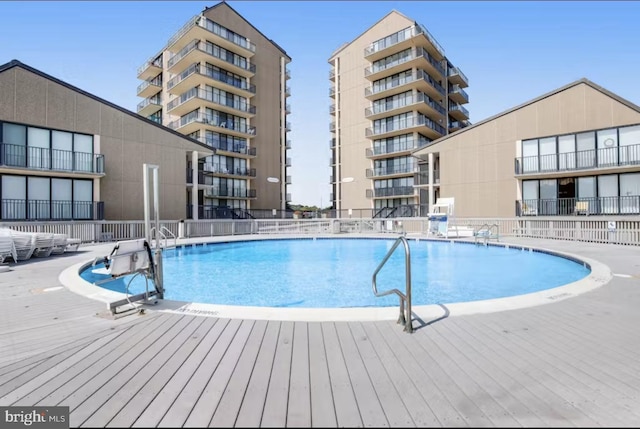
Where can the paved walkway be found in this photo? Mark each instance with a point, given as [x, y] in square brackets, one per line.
[574, 362]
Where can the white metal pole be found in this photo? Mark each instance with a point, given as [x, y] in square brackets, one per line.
[147, 222]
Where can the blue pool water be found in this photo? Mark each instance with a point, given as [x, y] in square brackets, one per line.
[337, 273]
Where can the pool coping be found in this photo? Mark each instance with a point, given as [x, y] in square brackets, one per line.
[600, 275]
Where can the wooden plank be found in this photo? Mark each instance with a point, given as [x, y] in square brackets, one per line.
[347, 411]
[208, 402]
[107, 352]
[227, 411]
[96, 375]
[441, 400]
[420, 410]
[179, 411]
[119, 390]
[250, 413]
[323, 413]
[275, 406]
[168, 394]
[299, 406]
[145, 395]
[369, 404]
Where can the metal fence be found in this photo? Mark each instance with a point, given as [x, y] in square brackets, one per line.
[610, 229]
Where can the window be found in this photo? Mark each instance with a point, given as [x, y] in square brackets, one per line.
[630, 193]
[629, 145]
[82, 199]
[567, 152]
[548, 197]
[530, 156]
[61, 199]
[608, 194]
[607, 147]
[62, 154]
[586, 145]
[548, 157]
[39, 203]
[14, 194]
[14, 139]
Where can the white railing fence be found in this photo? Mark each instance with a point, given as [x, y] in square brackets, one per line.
[610, 229]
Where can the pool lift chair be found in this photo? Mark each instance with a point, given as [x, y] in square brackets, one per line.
[131, 258]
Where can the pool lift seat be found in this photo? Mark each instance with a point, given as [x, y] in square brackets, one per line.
[131, 258]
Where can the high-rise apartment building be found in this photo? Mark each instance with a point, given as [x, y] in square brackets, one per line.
[393, 90]
[221, 81]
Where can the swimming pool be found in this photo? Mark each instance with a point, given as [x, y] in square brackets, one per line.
[336, 273]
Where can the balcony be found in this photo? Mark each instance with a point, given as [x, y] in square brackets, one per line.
[288, 198]
[197, 75]
[456, 77]
[151, 68]
[332, 126]
[419, 80]
[420, 103]
[194, 122]
[332, 143]
[287, 144]
[418, 58]
[225, 192]
[225, 171]
[611, 158]
[457, 94]
[198, 52]
[332, 92]
[288, 180]
[287, 74]
[287, 109]
[202, 28]
[288, 162]
[616, 205]
[196, 97]
[458, 112]
[416, 35]
[149, 106]
[391, 171]
[397, 149]
[288, 126]
[332, 109]
[458, 125]
[229, 149]
[149, 88]
[395, 192]
[419, 123]
[20, 210]
[79, 164]
[332, 75]
[287, 91]
[422, 178]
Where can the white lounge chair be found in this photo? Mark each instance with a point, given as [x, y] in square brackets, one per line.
[43, 244]
[7, 248]
[24, 243]
[59, 244]
[72, 244]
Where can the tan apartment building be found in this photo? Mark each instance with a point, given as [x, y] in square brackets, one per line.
[222, 82]
[66, 154]
[575, 150]
[392, 90]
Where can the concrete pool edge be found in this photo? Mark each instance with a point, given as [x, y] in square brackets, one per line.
[600, 275]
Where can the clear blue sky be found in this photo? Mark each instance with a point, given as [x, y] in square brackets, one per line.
[510, 51]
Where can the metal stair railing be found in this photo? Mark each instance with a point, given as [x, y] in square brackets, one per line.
[405, 298]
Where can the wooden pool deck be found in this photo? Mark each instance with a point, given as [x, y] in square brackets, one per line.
[575, 362]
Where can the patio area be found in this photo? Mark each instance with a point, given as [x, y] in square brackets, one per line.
[571, 362]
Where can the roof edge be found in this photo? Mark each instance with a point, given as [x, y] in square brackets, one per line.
[583, 80]
[15, 63]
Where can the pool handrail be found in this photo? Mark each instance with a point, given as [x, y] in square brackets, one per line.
[403, 319]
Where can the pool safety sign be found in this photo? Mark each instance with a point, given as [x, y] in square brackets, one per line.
[611, 225]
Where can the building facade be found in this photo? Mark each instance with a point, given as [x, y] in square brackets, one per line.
[222, 82]
[66, 154]
[393, 90]
[573, 151]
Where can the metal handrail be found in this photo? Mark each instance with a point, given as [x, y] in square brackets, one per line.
[404, 297]
[171, 234]
[487, 234]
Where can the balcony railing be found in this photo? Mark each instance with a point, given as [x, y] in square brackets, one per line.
[37, 158]
[453, 71]
[332, 143]
[155, 82]
[456, 89]
[397, 191]
[397, 147]
[387, 171]
[212, 97]
[210, 120]
[332, 74]
[214, 28]
[223, 191]
[616, 205]
[332, 92]
[410, 122]
[332, 126]
[51, 210]
[234, 171]
[415, 54]
[422, 178]
[209, 49]
[402, 102]
[155, 61]
[156, 101]
[415, 76]
[228, 147]
[618, 156]
[459, 108]
[401, 36]
[213, 74]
